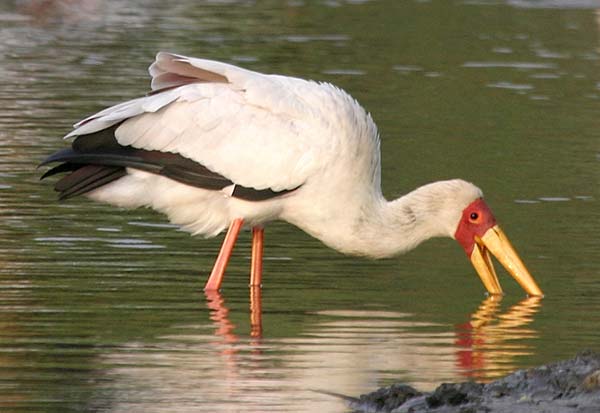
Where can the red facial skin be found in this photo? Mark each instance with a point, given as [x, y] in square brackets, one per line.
[476, 219]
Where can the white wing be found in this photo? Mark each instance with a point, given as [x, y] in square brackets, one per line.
[260, 131]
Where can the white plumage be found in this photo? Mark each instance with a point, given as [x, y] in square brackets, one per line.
[260, 131]
[309, 143]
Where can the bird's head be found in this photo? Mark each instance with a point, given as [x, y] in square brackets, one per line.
[456, 209]
[479, 234]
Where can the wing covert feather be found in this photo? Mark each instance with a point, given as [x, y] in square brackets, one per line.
[247, 144]
[259, 131]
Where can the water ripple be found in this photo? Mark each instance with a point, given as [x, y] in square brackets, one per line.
[511, 65]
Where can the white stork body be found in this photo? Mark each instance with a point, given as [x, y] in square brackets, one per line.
[260, 131]
[308, 149]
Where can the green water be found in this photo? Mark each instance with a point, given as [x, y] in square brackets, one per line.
[102, 309]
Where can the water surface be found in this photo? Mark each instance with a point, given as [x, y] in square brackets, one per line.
[102, 309]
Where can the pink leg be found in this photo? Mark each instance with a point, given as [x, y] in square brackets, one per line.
[218, 271]
[258, 235]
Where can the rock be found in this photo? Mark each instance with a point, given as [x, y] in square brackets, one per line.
[592, 381]
[567, 386]
[387, 399]
[454, 394]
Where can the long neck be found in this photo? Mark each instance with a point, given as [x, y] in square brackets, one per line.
[389, 228]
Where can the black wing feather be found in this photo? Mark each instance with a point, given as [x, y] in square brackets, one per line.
[63, 167]
[87, 178]
[97, 159]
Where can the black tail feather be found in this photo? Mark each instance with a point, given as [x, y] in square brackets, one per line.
[86, 179]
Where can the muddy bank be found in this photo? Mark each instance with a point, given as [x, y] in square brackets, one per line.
[568, 386]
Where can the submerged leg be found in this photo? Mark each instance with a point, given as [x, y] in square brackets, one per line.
[258, 235]
[218, 271]
[255, 311]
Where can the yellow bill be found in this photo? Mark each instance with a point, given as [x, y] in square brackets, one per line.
[494, 241]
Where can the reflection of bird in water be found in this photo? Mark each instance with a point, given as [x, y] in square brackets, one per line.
[396, 347]
[219, 367]
[490, 342]
[216, 146]
[220, 314]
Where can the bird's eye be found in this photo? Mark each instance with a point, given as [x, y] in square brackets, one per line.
[474, 216]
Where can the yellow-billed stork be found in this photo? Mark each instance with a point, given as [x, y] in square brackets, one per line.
[215, 146]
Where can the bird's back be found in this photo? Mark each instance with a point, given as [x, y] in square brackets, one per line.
[260, 132]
